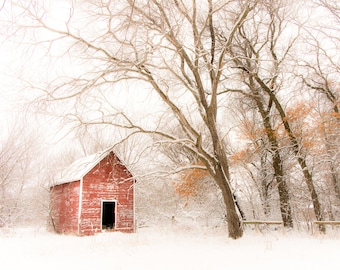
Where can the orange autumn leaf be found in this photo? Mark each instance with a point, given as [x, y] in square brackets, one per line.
[239, 156]
[189, 182]
[299, 111]
[249, 130]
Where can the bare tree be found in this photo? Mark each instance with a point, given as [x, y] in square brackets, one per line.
[167, 46]
[319, 73]
[254, 156]
[256, 59]
[16, 161]
[261, 59]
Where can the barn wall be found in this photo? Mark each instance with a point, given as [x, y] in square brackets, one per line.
[64, 207]
[107, 181]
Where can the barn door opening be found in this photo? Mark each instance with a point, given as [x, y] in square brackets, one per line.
[108, 215]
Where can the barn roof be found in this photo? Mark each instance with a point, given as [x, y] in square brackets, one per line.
[79, 168]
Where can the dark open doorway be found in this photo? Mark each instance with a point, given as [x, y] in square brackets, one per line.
[108, 215]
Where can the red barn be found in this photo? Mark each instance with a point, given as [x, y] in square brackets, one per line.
[94, 194]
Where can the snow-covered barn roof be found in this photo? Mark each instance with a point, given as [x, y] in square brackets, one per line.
[79, 168]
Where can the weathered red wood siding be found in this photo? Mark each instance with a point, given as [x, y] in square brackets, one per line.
[64, 207]
[108, 180]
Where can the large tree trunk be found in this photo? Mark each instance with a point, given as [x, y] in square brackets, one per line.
[233, 220]
[265, 185]
[335, 181]
[285, 208]
[222, 176]
[332, 166]
[315, 200]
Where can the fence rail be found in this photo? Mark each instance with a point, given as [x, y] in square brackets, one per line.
[257, 223]
[324, 222]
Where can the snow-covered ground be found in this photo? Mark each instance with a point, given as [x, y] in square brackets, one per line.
[173, 249]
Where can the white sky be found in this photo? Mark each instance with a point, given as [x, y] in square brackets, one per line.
[12, 64]
[6, 82]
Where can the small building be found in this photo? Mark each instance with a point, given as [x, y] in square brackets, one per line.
[92, 195]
